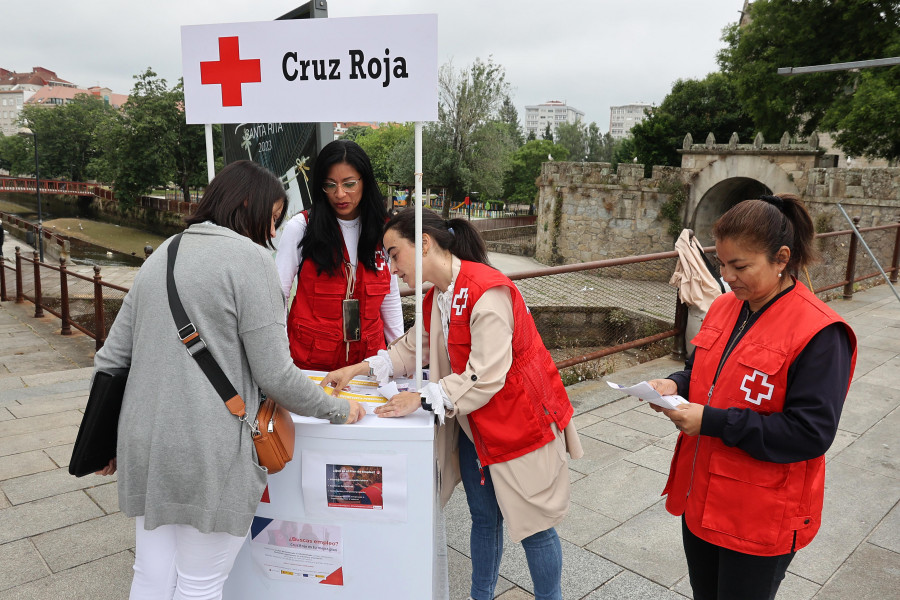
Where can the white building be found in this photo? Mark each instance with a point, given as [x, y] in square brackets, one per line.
[11, 103]
[623, 118]
[553, 112]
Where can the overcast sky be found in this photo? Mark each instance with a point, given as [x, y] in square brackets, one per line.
[592, 54]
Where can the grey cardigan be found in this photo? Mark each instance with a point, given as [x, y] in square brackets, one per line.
[182, 457]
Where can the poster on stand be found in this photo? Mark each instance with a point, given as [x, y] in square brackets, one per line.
[365, 487]
[294, 551]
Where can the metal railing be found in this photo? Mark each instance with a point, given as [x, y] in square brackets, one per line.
[88, 304]
[584, 311]
[170, 203]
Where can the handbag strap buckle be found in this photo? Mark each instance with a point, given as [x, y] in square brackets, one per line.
[191, 339]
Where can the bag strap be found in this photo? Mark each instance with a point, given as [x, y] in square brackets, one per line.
[195, 345]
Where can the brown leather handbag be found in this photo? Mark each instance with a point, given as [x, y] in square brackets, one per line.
[273, 435]
[273, 429]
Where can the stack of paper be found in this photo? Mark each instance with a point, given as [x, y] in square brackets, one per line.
[645, 391]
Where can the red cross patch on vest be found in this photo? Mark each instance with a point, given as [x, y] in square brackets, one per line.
[460, 300]
[762, 389]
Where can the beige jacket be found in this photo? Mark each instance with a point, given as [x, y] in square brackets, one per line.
[696, 285]
[532, 490]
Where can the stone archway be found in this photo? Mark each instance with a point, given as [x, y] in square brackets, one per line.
[718, 199]
[718, 180]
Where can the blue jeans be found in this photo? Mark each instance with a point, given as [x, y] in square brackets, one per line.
[542, 550]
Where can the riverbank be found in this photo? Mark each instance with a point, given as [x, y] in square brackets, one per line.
[126, 240]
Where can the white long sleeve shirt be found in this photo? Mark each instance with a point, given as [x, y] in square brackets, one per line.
[288, 258]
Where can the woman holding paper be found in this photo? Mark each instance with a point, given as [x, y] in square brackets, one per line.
[766, 385]
[490, 370]
[347, 304]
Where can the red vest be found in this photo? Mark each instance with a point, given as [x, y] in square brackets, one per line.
[517, 419]
[315, 323]
[727, 497]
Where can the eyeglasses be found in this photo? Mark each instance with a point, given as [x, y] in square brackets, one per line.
[330, 187]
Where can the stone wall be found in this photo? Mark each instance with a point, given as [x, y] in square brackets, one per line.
[587, 212]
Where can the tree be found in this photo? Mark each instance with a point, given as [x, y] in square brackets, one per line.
[692, 106]
[380, 143]
[152, 143]
[787, 33]
[510, 116]
[574, 138]
[519, 185]
[868, 122]
[548, 133]
[15, 151]
[68, 135]
[531, 136]
[470, 149]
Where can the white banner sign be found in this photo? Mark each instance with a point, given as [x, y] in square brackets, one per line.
[311, 70]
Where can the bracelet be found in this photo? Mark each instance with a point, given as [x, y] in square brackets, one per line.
[425, 404]
[371, 370]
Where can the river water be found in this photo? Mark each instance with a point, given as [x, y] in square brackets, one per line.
[55, 206]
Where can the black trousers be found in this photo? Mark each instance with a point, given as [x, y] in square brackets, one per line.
[720, 574]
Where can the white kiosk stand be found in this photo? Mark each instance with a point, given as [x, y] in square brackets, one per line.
[311, 539]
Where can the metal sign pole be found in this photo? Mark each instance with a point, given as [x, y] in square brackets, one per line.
[866, 246]
[210, 160]
[419, 326]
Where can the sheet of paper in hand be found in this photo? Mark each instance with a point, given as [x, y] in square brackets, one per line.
[645, 391]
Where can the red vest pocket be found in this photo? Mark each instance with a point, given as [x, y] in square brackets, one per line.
[746, 497]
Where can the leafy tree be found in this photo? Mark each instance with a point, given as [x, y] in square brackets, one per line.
[692, 106]
[379, 144]
[355, 132]
[519, 185]
[510, 116]
[868, 122]
[531, 136]
[574, 138]
[625, 151]
[67, 135]
[548, 133]
[17, 153]
[152, 144]
[470, 149]
[786, 33]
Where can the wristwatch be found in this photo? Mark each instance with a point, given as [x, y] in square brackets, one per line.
[371, 370]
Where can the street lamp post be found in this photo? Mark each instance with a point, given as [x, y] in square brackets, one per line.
[26, 132]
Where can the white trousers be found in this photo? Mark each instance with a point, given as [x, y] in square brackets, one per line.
[177, 562]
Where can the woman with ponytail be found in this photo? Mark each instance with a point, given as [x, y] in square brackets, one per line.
[766, 384]
[508, 417]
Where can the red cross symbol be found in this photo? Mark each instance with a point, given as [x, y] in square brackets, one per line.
[380, 260]
[750, 386]
[230, 71]
[460, 300]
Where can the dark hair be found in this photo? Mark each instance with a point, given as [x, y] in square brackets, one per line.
[241, 197]
[456, 235]
[768, 223]
[322, 241]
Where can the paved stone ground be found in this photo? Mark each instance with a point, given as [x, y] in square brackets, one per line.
[62, 537]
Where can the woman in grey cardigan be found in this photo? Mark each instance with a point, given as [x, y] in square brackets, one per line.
[187, 466]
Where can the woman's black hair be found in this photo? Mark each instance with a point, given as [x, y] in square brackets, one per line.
[768, 223]
[323, 241]
[241, 197]
[456, 235]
